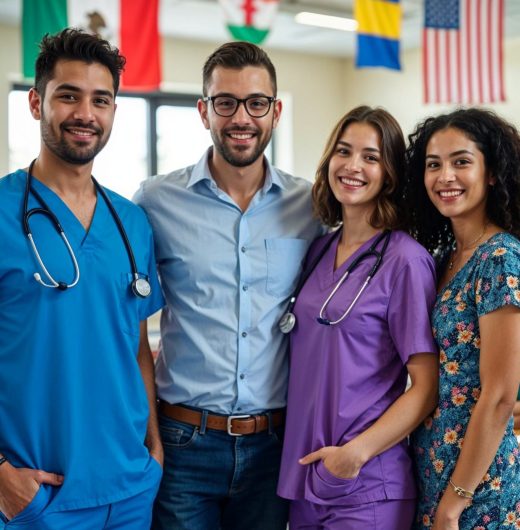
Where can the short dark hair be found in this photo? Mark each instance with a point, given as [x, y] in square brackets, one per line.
[237, 55]
[73, 44]
[499, 143]
[386, 214]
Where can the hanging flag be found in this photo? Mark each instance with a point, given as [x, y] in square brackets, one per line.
[378, 33]
[249, 20]
[131, 25]
[462, 51]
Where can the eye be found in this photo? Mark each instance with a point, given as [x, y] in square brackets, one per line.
[102, 102]
[371, 158]
[224, 103]
[67, 97]
[432, 165]
[258, 103]
[462, 162]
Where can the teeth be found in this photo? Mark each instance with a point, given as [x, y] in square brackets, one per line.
[451, 193]
[237, 136]
[351, 182]
[81, 133]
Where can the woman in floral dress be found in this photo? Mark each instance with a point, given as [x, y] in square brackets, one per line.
[464, 193]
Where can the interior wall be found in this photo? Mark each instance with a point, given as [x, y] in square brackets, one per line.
[401, 92]
[311, 86]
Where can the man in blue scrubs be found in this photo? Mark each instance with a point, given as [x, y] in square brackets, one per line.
[79, 445]
[231, 234]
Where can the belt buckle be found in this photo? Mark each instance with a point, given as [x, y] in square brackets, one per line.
[235, 417]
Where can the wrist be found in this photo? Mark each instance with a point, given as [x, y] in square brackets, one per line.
[357, 452]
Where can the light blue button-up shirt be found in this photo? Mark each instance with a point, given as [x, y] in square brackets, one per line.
[227, 276]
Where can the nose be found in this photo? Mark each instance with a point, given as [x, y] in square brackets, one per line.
[447, 174]
[83, 111]
[241, 115]
[353, 163]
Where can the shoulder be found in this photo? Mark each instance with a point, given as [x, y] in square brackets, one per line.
[125, 208]
[406, 249]
[294, 184]
[500, 252]
[157, 185]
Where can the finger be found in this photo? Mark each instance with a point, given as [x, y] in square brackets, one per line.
[43, 477]
[311, 457]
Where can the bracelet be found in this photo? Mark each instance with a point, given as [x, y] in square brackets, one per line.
[461, 492]
[3, 459]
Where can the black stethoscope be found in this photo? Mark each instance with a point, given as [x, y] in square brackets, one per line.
[288, 321]
[140, 286]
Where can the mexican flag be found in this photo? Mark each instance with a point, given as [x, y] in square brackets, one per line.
[131, 25]
[249, 20]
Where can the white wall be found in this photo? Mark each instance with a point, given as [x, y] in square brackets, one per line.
[401, 92]
[321, 89]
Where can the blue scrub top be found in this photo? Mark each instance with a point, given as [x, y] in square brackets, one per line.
[72, 399]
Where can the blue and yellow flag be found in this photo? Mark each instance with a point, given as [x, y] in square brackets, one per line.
[378, 33]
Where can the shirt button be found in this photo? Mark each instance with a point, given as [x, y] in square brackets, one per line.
[244, 334]
[242, 376]
[245, 287]
[243, 249]
[239, 408]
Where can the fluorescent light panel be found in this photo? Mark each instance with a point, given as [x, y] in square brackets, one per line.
[326, 21]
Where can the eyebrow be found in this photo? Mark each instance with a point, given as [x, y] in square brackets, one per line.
[73, 88]
[346, 144]
[229, 95]
[455, 153]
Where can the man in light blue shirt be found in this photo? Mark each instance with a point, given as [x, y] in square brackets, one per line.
[231, 233]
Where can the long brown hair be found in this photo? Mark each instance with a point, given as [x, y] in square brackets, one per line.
[392, 145]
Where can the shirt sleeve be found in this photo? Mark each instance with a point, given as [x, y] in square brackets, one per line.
[497, 283]
[410, 306]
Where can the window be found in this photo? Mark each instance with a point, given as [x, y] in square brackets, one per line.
[152, 133]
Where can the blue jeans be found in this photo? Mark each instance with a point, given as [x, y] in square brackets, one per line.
[214, 481]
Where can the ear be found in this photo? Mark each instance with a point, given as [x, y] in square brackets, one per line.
[277, 112]
[35, 104]
[492, 180]
[202, 107]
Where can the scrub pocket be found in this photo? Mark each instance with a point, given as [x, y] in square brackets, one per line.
[34, 509]
[327, 486]
[284, 258]
[129, 308]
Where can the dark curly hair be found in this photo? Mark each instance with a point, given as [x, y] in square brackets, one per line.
[498, 141]
[73, 44]
[387, 213]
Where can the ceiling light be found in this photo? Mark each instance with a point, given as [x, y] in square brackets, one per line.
[326, 21]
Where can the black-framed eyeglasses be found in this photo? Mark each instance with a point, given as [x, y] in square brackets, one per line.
[226, 106]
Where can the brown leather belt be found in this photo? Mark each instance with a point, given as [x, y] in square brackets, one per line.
[236, 425]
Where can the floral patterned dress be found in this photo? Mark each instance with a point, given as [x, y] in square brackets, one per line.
[488, 281]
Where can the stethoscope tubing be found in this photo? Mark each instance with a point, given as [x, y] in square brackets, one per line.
[140, 286]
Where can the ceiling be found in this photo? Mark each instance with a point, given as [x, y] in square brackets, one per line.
[203, 20]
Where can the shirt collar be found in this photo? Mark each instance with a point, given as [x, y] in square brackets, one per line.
[201, 172]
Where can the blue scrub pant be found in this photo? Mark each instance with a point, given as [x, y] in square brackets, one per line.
[382, 515]
[214, 481]
[134, 513]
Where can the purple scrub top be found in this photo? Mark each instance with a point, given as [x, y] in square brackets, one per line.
[344, 377]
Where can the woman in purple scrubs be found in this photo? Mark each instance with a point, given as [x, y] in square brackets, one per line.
[346, 462]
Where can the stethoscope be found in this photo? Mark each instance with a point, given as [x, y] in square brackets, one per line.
[288, 321]
[140, 286]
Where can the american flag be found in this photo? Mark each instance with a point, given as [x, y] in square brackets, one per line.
[462, 51]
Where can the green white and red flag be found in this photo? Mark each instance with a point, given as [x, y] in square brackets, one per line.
[131, 25]
[249, 20]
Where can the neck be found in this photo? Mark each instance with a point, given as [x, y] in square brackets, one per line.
[240, 183]
[356, 228]
[62, 177]
[469, 233]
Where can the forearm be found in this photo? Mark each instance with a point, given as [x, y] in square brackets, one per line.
[399, 420]
[146, 365]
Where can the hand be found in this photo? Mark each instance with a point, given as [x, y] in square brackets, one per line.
[18, 487]
[448, 511]
[343, 462]
[157, 453]
[442, 523]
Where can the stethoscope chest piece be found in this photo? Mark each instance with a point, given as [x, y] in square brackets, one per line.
[287, 322]
[141, 287]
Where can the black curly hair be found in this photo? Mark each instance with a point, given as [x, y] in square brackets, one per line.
[498, 141]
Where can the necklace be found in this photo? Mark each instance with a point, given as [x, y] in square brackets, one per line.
[467, 247]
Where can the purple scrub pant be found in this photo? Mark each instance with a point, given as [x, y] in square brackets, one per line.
[381, 515]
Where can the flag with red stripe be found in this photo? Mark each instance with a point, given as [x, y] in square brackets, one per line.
[462, 51]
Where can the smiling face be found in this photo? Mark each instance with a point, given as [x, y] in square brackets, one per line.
[356, 173]
[455, 176]
[240, 140]
[77, 111]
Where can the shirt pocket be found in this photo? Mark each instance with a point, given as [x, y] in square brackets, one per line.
[284, 258]
[129, 305]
